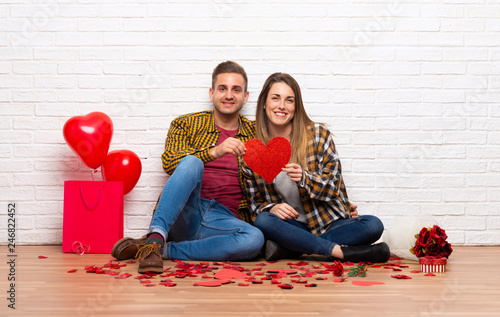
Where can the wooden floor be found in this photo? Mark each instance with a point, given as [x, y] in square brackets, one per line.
[470, 287]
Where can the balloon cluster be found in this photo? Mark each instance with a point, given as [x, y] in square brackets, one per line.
[89, 137]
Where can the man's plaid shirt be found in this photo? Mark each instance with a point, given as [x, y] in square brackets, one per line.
[322, 187]
[194, 134]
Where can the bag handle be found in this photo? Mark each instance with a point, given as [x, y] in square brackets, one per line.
[98, 199]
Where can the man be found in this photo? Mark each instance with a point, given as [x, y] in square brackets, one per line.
[200, 213]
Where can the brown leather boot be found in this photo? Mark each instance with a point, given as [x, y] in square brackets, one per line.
[127, 248]
[150, 257]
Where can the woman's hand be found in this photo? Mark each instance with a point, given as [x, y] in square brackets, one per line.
[354, 211]
[294, 171]
[284, 211]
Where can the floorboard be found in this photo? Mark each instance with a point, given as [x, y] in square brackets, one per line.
[469, 287]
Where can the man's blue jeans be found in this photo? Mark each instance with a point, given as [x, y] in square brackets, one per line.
[295, 236]
[197, 228]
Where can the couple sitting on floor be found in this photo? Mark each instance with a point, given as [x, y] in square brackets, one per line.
[211, 199]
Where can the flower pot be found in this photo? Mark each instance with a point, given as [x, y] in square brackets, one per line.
[432, 264]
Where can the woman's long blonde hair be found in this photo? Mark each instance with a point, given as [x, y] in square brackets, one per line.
[300, 121]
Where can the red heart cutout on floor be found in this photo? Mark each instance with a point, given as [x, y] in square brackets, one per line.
[226, 274]
[267, 161]
[212, 283]
[366, 283]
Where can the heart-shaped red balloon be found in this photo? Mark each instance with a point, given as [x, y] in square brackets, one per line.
[267, 161]
[89, 137]
[124, 166]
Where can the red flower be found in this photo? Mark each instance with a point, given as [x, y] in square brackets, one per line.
[438, 233]
[419, 250]
[424, 237]
[432, 242]
[432, 249]
[447, 249]
[338, 268]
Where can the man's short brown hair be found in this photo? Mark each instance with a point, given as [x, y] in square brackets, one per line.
[229, 67]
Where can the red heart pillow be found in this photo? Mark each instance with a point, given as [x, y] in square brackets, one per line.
[267, 161]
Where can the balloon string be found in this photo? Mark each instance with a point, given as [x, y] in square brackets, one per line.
[92, 173]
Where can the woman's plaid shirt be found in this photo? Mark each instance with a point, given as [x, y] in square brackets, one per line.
[322, 187]
[194, 134]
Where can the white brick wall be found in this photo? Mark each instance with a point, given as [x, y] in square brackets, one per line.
[409, 88]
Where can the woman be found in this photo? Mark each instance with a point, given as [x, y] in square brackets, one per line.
[305, 209]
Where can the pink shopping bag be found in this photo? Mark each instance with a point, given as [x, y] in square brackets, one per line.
[93, 216]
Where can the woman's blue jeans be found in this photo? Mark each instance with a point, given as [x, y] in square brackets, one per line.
[295, 236]
[197, 228]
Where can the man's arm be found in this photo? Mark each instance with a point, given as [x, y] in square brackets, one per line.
[179, 143]
[182, 141]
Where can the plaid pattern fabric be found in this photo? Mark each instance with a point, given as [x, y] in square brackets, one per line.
[194, 134]
[322, 188]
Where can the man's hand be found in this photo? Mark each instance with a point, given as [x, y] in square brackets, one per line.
[229, 146]
[294, 171]
[354, 211]
[284, 211]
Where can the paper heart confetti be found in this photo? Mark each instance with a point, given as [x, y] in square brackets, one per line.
[285, 286]
[401, 277]
[225, 272]
[267, 161]
[283, 272]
